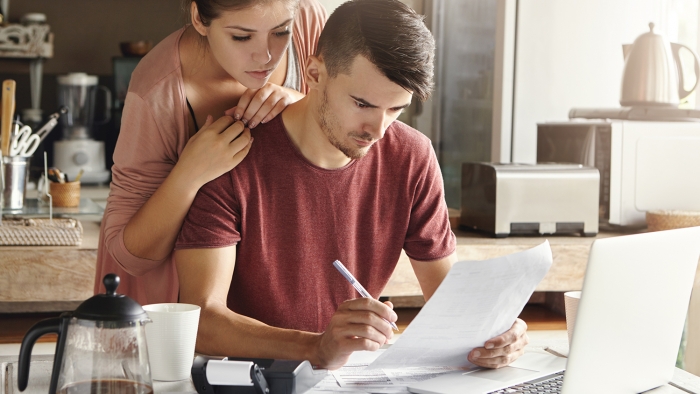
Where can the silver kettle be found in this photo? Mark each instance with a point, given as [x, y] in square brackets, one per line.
[653, 73]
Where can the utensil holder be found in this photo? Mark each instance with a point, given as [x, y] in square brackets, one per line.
[65, 194]
[16, 170]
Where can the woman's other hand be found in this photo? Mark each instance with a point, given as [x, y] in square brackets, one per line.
[215, 149]
[258, 106]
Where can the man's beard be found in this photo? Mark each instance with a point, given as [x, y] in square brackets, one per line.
[329, 124]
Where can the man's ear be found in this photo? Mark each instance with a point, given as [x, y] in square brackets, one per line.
[316, 73]
[197, 20]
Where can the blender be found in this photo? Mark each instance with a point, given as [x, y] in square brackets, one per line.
[77, 149]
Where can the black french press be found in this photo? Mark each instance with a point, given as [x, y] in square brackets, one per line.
[101, 347]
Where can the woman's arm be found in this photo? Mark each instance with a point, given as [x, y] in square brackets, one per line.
[216, 149]
[153, 186]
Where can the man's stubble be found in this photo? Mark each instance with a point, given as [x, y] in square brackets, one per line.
[330, 125]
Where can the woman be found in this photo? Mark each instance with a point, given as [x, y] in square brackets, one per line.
[243, 58]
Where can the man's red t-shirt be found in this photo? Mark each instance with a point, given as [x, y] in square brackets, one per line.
[291, 219]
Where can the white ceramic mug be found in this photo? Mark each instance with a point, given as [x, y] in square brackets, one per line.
[171, 339]
[571, 299]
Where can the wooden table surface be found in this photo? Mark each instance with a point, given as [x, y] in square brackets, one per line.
[66, 273]
[38, 279]
[569, 253]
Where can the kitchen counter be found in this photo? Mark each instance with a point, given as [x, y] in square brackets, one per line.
[51, 278]
[41, 279]
[48, 278]
[570, 257]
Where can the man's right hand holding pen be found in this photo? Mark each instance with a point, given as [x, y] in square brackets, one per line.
[359, 324]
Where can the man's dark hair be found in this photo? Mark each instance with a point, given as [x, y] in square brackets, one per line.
[386, 32]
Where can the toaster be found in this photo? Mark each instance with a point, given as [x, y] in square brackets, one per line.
[545, 198]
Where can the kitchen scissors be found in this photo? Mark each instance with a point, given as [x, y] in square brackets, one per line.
[24, 143]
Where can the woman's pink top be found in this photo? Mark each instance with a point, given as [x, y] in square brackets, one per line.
[153, 133]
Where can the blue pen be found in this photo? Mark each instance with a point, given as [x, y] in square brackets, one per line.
[360, 289]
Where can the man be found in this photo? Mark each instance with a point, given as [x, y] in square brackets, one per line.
[333, 177]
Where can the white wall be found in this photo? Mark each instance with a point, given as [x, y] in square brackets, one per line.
[330, 5]
[569, 54]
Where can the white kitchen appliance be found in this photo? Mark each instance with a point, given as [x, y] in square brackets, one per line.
[653, 73]
[77, 150]
[644, 165]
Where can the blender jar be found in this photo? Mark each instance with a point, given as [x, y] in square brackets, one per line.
[77, 91]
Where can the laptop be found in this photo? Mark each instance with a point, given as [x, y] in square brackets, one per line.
[628, 328]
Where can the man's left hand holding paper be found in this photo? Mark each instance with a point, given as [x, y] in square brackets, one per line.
[502, 350]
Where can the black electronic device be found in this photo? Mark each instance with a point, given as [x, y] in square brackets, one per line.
[268, 376]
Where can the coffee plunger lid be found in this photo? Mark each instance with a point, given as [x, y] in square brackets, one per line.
[110, 306]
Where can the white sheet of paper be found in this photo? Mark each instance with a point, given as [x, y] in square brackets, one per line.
[355, 377]
[477, 301]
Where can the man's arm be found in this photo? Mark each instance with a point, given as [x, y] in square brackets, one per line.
[205, 276]
[431, 273]
[497, 352]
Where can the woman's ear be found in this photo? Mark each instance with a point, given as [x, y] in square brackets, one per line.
[316, 73]
[197, 20]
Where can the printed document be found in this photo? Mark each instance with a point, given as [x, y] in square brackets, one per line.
[354, 377]
[477, 301]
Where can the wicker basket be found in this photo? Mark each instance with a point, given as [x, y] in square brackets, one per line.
[41, 232]
[65, 194]
[670, 219]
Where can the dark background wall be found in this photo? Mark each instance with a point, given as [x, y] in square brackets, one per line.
[87, 34]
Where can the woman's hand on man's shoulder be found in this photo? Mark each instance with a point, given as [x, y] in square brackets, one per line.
[258, 106]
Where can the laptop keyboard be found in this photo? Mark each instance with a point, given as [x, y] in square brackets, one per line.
[548, 384]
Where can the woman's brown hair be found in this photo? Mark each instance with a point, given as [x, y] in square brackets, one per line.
[211, 9]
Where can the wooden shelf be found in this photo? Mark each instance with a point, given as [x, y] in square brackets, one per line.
[15, 325]
[540, 317]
